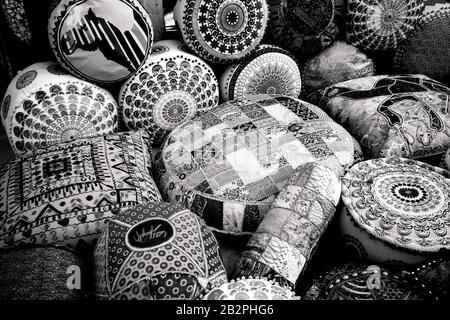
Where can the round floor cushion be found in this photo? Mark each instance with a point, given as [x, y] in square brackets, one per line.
[44, 106]
[103, 41]
[156, 251]
[172, 87]
[222, 31]
[267, 70]
[229, 164]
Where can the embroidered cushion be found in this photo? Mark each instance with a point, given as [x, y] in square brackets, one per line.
[103, 41]
[64, 194]
[267, 70]
[44, 106]
[228, 165]
[396, 210]
[401, 115]
[172, 87]
[381, 24]
[156, 251]
[222, 31]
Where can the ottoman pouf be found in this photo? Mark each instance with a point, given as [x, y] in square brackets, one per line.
[156, 251]
[395, 211]
[229, 164]
[103, 41]
[44, 106]
[172, 87]
[267, 70]
[64, 194]
[222, 31]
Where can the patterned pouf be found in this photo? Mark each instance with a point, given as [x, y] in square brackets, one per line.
[340, 62]
[65, 193]
[103, 41]
[427, 50]
[250, 289]
[156, 251]
[288, 235]
[268, 70]
[172, 87]
[365, 282]
[44, 106]
[228, 165]
[402, 115]
[222, 31]
[41, 273]
[381, 24]
[395, 211]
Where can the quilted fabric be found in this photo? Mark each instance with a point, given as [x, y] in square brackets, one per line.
[172, 87]
[156, 251]
[44, 106]
[228, 165]
[64, 194]
[268, 70]
[284, 241]
[103, 41]
[402, 115]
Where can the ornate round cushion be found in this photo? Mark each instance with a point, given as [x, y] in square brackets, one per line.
[229, 164]
[64, 194]
[250, 289]
[41, 273]
[44, 106]
[427, 50]
[288, 235]
[268, 70]
[224, 30]
[156, 251]
[172, 87]
[402, 115]
[381, 24]
[365, 282]
[395, 210]
[103, 41]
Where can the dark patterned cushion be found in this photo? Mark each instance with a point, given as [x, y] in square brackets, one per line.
[156, 251]
[65, 193]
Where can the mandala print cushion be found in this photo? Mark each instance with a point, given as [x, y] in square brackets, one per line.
[288, 235]
[44, 106]
[156, 251]
[64, 194]
[427, 50]
[172, 87]
[222, 31]
[402, 115]
[381, 24]
[395, 211]
[228, 165]
[365, 282]
[268, 70]
[103, 41]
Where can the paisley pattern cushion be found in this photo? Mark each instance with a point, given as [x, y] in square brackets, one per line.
[268, 70]
[365, 282]
[228, 165]
[381, 24]
[250, 289]
[44, 106]
[222, 31]
[65, 193]
[103, 41]
[283, 244]
[427, 50]
[156, 251]
[402, 115]
[396, 209]
[172, 87]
